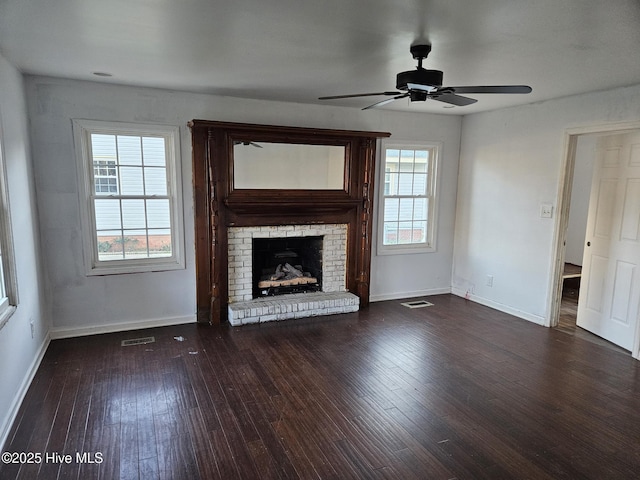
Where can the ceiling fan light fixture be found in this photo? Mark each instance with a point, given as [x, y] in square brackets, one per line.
[421, 76]
[418, 96]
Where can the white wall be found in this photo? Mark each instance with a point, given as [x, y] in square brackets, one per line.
[20, 354]
[510, 163]
[82, 304]
[580, 192]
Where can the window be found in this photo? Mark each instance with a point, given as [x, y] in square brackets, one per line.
[407, 204]
[131, 207]
[8, 284]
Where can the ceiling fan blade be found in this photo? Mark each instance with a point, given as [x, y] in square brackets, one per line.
[358, 95]
[490, 89]
[385, 101]
[457, 100]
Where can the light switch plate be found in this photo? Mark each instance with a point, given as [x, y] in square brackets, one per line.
[546, 210]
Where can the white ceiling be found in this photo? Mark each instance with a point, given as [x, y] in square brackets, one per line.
[298, 50]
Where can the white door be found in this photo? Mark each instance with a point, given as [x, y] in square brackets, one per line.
[610, 287]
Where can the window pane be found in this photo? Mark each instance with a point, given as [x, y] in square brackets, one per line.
[129, 150]
[405, 233]
[103, 147]
[133, 215]
[158, 214]
[110, 245]
[406, 208]
[393, 155]
[419, 184]
[420, 208]
[406, 160]
[135, 244]
[155, 181]
[421, 161]
[390, 236]
[405, 184]
[154, 152]
[160, 243]
[131, 181]
[391, 207]
[419, 232]
[107, 214]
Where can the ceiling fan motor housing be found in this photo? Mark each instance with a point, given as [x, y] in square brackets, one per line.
[420, 76]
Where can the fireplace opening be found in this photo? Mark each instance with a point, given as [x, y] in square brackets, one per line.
[286, 265]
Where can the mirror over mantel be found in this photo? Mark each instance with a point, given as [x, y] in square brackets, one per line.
[264, 175]
[288, 166]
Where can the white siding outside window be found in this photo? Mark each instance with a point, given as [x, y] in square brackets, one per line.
[407, 199]
[131, 205]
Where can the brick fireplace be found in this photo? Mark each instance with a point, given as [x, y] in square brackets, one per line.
[245, 305]
[241, 278]
[228, 218]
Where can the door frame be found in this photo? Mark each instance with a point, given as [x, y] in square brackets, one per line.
[571, 136]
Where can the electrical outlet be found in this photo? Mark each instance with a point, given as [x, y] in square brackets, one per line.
[489, 280]
[546, 210]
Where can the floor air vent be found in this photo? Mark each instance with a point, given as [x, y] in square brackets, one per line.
[417, 304]
[137, 341]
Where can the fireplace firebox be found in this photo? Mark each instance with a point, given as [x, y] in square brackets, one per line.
[286, 265]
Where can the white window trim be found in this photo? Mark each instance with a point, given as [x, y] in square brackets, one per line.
[82, 130]
[9, 303]
[434, 179]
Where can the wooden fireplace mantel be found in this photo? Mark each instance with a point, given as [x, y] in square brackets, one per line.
[218, 205]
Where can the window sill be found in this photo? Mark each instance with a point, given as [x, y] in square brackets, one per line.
[404, 250]
[6, 315]
[121, 269]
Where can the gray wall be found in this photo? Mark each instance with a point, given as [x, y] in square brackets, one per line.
[510, 163]
[19, 351]
[82, 304]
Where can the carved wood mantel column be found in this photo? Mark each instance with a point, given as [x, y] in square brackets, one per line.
[219, 204]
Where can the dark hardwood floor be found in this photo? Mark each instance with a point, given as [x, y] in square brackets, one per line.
[455, 390]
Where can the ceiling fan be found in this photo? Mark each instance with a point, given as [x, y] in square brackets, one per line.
[247, 143]
[422, 84]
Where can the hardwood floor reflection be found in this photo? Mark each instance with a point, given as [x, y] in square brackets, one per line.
[455, 390]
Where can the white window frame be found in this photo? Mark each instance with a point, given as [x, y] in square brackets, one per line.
[432, 194]
[82, 130]
[9, 287]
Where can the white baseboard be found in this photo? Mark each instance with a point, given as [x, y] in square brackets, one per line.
[414, 294]
[68, 332]
[22, 391]
[498, 306]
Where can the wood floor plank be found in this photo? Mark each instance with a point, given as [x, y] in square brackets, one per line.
[78, 425]
[455, 390]
[201, 440]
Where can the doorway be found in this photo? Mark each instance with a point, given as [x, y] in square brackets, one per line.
[582, 146]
